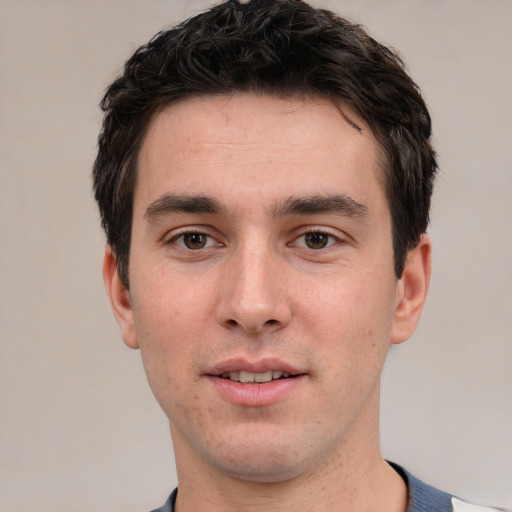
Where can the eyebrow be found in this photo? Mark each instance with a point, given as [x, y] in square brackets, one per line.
[332, 203]
[308, 205]
[173, 203]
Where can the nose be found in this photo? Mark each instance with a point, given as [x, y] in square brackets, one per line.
[253, 292]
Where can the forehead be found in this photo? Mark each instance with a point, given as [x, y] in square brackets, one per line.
[229, 141]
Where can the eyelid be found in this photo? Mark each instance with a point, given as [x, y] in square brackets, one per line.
[176, 234]
[338, 237]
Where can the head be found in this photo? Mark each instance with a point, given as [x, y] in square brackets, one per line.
[264, 174]
[280, 48]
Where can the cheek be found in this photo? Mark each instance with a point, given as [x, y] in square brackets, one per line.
[169, 319]
[351, 316]
[169, 305]
[167, 360]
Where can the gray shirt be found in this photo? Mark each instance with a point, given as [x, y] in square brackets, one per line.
[422, 498]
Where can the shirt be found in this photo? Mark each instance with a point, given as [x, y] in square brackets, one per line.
[422, 498]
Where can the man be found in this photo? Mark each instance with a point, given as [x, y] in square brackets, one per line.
[264, 177]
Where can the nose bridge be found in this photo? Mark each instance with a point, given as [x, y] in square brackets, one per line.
[253, 296]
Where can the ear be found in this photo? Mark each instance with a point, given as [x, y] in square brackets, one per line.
[120, 300]
[412, 290]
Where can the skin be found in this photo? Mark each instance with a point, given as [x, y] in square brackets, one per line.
[254, 283]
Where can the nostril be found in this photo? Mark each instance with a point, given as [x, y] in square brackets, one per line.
[232, 323]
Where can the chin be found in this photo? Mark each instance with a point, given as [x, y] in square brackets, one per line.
[263, 461]
[264, 472]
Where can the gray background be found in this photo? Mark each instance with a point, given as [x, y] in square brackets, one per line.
[79, 428]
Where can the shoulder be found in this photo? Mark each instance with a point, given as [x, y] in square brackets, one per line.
[422, 498]
[464, 506]
[169, 504]
[425, 498]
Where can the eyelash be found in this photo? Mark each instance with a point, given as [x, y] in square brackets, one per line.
[174, 240]
[331, 240]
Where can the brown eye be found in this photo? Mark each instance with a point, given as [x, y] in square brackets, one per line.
[316, 240]
[195, 240]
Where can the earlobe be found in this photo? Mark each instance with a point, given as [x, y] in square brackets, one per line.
[119, 297]
[412, 290]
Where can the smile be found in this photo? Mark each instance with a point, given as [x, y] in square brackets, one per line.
[255, 378]
[256, 388]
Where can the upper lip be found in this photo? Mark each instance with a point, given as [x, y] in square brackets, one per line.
[259, 366]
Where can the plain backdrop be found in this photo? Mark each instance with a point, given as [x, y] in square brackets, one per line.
[79, 428]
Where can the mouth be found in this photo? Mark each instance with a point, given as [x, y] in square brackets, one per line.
[256, 384]
[255, 378]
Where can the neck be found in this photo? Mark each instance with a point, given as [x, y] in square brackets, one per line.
[354, 477]
[381, 489]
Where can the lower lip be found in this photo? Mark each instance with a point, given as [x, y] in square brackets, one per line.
[256, 395]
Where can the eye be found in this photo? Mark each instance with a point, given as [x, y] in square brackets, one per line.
[316, 240]
[193, 240]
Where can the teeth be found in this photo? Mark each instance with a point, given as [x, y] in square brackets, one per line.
[263, 377]
[249, 377]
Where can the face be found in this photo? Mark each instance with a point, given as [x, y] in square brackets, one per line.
[262, 292]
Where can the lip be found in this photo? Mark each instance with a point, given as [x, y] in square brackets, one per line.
[253, 394]
[262, 365]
